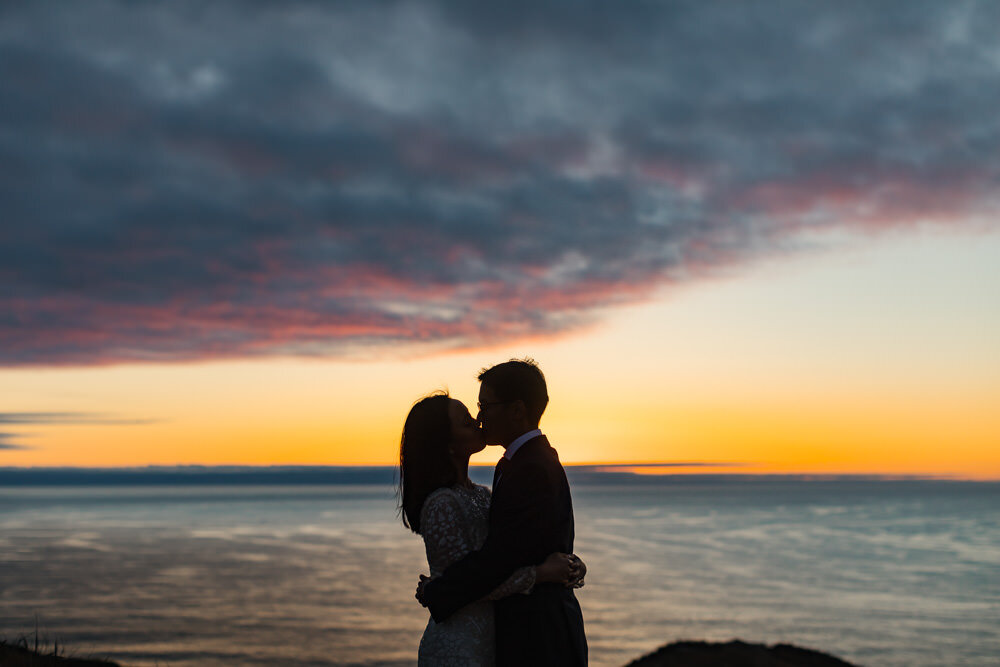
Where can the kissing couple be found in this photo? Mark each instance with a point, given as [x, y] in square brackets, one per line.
[502, 566]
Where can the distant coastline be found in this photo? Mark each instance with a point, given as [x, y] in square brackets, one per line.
[608, 474]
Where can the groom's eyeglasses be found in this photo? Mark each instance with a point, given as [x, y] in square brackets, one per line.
[483, 407]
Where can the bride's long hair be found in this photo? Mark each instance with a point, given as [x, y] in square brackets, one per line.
[425, 463]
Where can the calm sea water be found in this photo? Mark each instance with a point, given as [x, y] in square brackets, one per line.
[880, 573]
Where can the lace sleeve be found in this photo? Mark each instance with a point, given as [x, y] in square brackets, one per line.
[441, 526]
[522, 581]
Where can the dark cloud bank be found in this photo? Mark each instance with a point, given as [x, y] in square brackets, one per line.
[182, 181]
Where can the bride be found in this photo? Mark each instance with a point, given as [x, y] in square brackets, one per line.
[441, 504]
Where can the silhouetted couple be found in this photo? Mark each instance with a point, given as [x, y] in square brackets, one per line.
[502, 568]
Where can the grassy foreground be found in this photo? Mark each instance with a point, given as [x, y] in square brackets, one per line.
[25, 653]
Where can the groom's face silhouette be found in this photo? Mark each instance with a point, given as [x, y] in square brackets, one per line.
[489, 415]
[502, 421]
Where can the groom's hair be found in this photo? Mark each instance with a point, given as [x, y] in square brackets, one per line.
[519, 380]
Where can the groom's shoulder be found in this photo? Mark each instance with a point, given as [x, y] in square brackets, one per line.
[540, 455]
[536, 450]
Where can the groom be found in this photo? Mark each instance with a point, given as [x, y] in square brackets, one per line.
[531, 516]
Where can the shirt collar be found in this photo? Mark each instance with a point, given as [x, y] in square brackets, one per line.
[516, 445]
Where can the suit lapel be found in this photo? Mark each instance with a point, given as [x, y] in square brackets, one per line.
[498, 471]
[506, 466]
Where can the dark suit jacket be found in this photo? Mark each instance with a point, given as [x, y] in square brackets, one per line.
[531, 516]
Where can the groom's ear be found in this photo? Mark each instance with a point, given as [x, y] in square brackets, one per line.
[520, 411]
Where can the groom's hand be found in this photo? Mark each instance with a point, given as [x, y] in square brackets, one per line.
[420, 590]
[578, 570]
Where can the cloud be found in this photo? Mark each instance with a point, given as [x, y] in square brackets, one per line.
[674, 464]
[50, 418]
[7, 439]
[7, 443]
[180, 182]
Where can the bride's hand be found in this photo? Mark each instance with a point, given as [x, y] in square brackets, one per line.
[558, 568]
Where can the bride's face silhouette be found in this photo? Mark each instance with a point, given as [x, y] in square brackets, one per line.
[466, 436]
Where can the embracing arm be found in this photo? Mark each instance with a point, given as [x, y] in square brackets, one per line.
[445, 543]
[558, 568]
[516, 517]
[522, 581]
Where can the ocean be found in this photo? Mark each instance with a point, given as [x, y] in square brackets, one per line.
[313, 566]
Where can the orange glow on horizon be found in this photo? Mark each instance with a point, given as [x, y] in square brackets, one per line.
[750, 376]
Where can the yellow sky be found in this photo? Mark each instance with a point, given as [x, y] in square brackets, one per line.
[879, 359]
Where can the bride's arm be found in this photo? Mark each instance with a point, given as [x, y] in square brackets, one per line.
[522, 581]
[557, 568]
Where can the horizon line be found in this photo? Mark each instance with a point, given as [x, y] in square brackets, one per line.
[644, 469]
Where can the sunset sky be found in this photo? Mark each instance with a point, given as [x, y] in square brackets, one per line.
[745, 237]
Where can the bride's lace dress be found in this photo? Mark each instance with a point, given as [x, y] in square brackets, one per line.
[453, 522]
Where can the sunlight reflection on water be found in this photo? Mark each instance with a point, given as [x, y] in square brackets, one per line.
[882, 574]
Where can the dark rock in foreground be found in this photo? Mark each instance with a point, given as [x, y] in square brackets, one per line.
[19, 655]
[736, 654]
